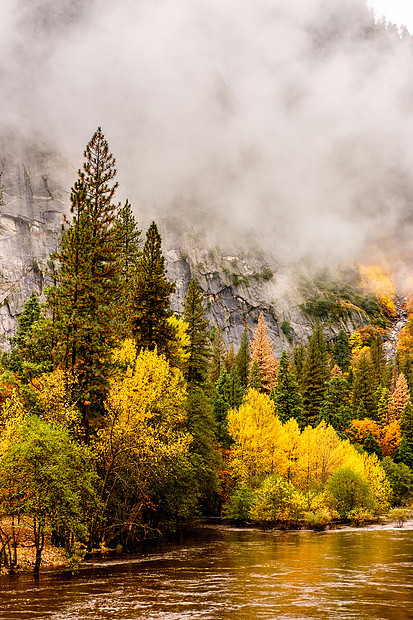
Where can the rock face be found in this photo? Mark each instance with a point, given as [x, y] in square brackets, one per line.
[30, 222]
[237, 288]
[237, 285]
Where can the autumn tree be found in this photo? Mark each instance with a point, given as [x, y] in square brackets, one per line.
[150, 305]
[86, 281]
[399, 398]
[262, 353]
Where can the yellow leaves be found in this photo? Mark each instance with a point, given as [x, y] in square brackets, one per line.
[320, 453]
[355, 343]
[376, 477]
[53, 395]
[378, 281]
[179, 353]
[307, 459]
[389, 436]
[125, 355]
[147, 391]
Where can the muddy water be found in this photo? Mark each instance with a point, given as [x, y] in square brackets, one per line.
[222, 572]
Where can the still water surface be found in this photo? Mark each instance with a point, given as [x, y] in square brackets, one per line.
[223, 572]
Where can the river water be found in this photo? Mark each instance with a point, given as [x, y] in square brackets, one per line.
[222, 572]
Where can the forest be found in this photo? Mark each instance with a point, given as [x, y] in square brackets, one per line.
[120, 421]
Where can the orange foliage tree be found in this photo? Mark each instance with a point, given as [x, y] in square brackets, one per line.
[262, 352]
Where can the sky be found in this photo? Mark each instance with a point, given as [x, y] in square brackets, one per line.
[399, 12]
[278, 117]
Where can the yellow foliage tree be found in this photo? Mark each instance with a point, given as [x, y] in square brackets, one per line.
[378, 280]
[256, 431]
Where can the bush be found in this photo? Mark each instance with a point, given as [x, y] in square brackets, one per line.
[349, 490]
[278, 500]
[238, 507]
[400, 515]
[400, 477]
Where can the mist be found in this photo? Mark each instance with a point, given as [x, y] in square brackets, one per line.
[292, 122]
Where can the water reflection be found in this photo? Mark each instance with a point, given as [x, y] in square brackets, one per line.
[225, 573]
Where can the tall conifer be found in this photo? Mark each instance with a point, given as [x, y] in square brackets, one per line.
[150, 304]
[314, 376]
[86, 281]
[199, 346]
[243, 358]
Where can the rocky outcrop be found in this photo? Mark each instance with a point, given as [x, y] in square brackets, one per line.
[30, 222]
[238, 284]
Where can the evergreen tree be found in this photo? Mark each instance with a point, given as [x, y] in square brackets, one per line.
[243, 358]
[14, 359]
[86, 282]
[228, 395]
[230, 358]
[342, 351]
[372, 446]
[286, 394]
[206, 459]
[129, 255]
[382, 398]
[364, 386]
[255, 377]
[314, 376]
[298, 362]
[150, 305]
[129, 240]
[199, 347]
[217, 355]
[262, 353]
[335, 408]
[29, 316]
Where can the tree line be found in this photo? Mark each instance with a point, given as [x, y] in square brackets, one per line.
[120, 420]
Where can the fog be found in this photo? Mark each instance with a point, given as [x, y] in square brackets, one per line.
[289, 120]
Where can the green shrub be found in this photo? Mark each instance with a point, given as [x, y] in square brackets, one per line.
[349, 490]
[238, 507]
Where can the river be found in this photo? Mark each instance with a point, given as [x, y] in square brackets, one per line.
[221, 572]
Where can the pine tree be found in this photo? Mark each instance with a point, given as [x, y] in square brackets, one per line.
[15, 359]
[314, 376]
[217, 355]
[364, 386]
[382, 398]
[286, 394]
[228, 395]
[342, 351]
[129, 255]
[262, 353]
[335, 408]
[255, 377]
[199, 346]
[243, 358]
[150, 305]
[372, 446]
[86, 282]
[230, 358]
[30, 314]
